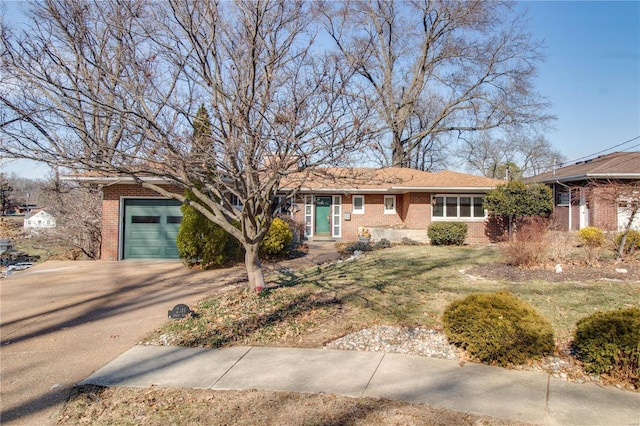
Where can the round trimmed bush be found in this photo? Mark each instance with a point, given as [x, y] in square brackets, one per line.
[447, 233]
[278, 238]
[498, 328]
[591, 236]
[609, 342]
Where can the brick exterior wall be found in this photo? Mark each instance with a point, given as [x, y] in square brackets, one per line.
[413, 212]
[111, 214]
[603, 213]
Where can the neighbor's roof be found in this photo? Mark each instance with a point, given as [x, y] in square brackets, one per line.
[391, 179]
[618, 165]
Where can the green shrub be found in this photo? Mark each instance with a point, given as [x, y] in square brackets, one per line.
[609, 342]
[498, 328]
[591, 236]
[358, 246]
[200, 241]
[383, 243]
[447, 233]
[278, 238]
[406, 241]
[632, 242]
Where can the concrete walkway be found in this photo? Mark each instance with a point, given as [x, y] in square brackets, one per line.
[472, 388]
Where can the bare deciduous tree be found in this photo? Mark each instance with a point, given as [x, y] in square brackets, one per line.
[114, 87]
[436, 69]
[78, 213]
[522, 155]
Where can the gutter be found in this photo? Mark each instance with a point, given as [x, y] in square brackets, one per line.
[393, 189]
[113, 180]
[587, 176]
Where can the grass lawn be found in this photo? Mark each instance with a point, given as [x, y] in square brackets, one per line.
[405, 286]
[308, 307]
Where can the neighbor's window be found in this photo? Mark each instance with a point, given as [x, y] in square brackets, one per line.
[562, 198]
[458, 207]
[358, 204]
[389, 204]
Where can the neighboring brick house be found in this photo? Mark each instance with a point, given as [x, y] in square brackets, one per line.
[392, 203]
[582, 191]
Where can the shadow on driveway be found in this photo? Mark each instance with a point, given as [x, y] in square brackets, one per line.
[61, 321]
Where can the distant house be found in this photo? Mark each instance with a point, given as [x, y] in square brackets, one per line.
[335, 204]
[582, 192]
[39, 220]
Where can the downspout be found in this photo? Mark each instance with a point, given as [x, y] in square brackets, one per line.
[569, 188]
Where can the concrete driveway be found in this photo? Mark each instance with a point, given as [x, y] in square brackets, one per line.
[62, 321]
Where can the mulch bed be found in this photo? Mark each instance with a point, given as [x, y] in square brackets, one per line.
[570, 273]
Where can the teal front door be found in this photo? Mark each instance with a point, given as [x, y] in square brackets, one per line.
[323, 216]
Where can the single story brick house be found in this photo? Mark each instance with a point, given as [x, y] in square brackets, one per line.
[391, 203]
[594, 192]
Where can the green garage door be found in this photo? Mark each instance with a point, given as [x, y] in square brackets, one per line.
[150, 228]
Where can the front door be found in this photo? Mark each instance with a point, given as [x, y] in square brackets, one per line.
[323, 216]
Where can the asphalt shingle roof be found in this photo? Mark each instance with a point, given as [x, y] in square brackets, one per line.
[394, 179]
[618, 165]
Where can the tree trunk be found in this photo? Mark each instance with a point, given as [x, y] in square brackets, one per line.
[398, 154]
[254, 268]
[623, 240]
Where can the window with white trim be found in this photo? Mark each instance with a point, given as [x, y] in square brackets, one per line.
[457, 207]
[285, 208]
[336, 208]
[389, 204]
[562, 197]
[308, 215]
[235, 201]
[358, 204]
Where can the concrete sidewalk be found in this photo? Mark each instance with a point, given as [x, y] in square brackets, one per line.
[525, 396]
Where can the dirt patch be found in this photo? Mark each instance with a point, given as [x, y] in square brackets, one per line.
[106, 406]
[569, 273]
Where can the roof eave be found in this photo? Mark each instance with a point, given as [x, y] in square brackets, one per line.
[588, 176]
[113, 180]
[445, 188]
[394, 189]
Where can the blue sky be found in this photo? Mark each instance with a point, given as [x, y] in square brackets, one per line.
[592, 73]
[591, 76]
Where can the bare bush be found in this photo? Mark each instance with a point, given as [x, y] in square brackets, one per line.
[78, 212]
[560, 246]
[529, 248]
